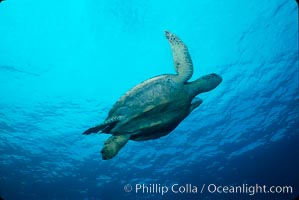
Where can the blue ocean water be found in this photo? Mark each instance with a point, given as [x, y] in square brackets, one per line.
[63, 64]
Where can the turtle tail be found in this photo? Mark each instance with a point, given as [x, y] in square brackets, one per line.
[105, 127]
[93, 130]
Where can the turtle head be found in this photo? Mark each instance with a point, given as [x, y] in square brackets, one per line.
[204, 84]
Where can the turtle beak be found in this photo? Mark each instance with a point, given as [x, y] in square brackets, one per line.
[204, 84]
[217, 78]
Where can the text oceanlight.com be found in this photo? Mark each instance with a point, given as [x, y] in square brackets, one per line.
[207, 188]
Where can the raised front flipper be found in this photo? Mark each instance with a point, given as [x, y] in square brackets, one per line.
[181, 57]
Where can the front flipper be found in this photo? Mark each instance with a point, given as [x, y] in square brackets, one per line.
[182, 60]
[195, 103]
[105, 127]
[113, 145]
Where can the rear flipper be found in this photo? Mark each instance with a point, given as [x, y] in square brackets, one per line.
[105, 127]
[113, 145]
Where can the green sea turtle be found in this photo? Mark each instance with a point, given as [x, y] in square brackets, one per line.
[155, 107]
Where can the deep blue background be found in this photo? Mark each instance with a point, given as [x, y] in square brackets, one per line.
[64, 63]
